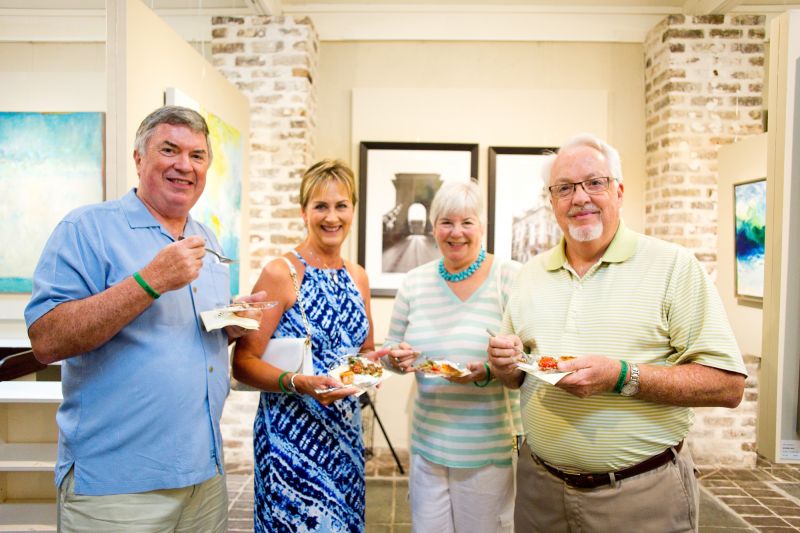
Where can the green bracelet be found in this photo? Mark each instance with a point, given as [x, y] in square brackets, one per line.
[488, 376]
[623, 373]
[147, 288]
[280, 383]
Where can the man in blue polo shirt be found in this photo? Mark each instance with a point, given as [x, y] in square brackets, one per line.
[117, 296]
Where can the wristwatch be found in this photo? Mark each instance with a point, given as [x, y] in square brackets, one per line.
[631, 388]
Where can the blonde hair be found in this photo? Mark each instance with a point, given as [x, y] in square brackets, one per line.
[323, 172]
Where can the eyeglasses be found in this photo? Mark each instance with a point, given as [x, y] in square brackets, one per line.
[591, 186]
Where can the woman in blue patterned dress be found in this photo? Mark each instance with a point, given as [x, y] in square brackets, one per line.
[309, 461]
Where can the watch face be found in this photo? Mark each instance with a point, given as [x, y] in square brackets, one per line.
[630, 389]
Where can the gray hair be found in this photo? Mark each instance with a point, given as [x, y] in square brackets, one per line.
[587, 139]
[175, 116]
[457, 197]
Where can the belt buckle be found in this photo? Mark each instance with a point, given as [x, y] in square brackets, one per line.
[588, 481]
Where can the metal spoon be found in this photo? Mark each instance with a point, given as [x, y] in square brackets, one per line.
[222, 259]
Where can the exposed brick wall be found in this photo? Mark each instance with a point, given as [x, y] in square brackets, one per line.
[703, 89]
[273, 61]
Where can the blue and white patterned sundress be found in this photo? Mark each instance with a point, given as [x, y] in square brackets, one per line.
[309, 460]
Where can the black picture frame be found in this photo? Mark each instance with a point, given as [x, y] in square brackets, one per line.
[520, 221]
[402, 238]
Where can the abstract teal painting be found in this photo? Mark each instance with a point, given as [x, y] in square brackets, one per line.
[50, 163]
[750, 204]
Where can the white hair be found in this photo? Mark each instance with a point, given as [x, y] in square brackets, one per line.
[587, 139]
[457, 197]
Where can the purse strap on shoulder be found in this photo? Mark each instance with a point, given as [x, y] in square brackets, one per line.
[293, 273]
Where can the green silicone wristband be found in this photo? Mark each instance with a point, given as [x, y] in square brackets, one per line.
[623, 372]
[147, 288]
[488, 376]
[280, 383]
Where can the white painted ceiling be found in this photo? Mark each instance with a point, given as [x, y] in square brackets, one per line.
[383, 20]
[300, 5]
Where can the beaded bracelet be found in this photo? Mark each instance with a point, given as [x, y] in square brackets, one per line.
[623, 373]
[488, 376]
[280, 383]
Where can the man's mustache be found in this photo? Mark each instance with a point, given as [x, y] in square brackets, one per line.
[583, 209]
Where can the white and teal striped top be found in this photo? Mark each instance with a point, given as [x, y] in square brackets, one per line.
[646, 301]
[457, 425]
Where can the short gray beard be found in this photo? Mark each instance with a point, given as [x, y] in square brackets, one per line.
[584, 234]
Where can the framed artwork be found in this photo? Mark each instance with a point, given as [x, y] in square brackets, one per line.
[521, 222]
[750, 214]
[397, 182]
[50, 164]
[220, 205]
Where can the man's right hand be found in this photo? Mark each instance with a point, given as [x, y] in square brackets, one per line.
[176, 265]
[504, 353]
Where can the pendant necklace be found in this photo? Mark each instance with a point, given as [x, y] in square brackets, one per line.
[464, 274]
[331, 272]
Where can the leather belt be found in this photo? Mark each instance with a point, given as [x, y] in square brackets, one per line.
[591, 481]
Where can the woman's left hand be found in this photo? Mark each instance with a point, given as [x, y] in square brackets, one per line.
[477, 372]
[234, 332]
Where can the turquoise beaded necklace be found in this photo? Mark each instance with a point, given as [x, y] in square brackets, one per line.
[464, 274]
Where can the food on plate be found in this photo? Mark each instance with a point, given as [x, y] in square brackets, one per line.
[347, 377]
[550, 364]
[440, 368]
[362, 366]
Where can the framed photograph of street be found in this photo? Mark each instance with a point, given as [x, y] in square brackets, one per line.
[521, 222]
[397, 182]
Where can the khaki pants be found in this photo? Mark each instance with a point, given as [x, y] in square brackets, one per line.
[659, 501]
[197, 508]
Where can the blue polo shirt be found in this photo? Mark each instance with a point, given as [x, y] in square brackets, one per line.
[142, 411]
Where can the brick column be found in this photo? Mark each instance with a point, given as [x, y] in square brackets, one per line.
[273, 61]
[703, 89]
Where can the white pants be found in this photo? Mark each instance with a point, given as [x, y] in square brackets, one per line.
[460, 500]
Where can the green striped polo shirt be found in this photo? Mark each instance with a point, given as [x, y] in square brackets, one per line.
[646, 301]
[456, 425]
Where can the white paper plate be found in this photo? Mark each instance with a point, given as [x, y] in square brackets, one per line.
[551, 377]
[429, 374]
[362, 382]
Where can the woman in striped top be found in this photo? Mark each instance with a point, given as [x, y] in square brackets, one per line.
[464, 428]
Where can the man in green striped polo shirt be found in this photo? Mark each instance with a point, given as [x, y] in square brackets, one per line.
[650, 340]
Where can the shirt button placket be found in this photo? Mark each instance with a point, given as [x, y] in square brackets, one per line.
[572, 314]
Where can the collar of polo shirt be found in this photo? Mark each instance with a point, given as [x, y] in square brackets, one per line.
[622, 248]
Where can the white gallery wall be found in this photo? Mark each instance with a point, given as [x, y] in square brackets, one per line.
[145, 56]
[51, 76]
[738, 162]
[490, 93]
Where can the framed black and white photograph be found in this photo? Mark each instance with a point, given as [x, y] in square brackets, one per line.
[521, 222]
[397, 182]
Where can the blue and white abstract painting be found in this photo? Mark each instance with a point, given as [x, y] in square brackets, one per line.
[50, 163]
[751, 214]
